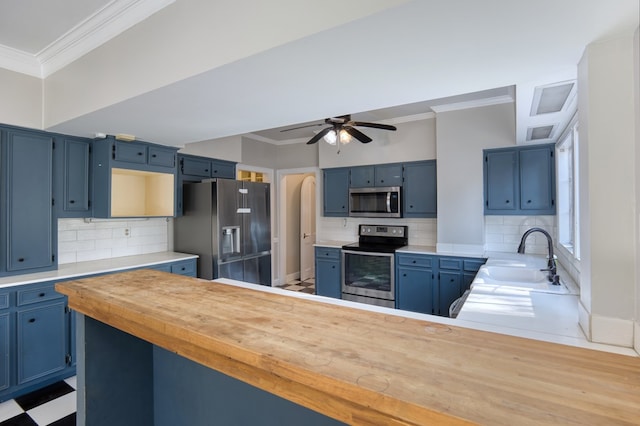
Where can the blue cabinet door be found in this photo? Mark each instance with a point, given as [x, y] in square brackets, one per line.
[29, 224]
[328, 272]
[500, 180]
[415, 290]
[200, 167]
[163, 157]
[362, 177]
[388, 175]
[420, 189]
[130, 152]
[41, 341]
[336, 192]
[449, 289]
[537, 183]
[223, 169]
[72, 177]
[4, 351]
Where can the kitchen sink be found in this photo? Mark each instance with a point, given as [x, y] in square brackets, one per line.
[505, 273]
[532, 279]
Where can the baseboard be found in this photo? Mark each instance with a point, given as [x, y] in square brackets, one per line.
[612, 331]
[584, 320]
[292, 277]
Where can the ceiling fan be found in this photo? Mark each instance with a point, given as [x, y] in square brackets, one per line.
[342, 128]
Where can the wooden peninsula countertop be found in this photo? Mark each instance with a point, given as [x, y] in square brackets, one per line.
[363, 367]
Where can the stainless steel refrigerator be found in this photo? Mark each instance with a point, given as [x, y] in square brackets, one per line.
[228, 224]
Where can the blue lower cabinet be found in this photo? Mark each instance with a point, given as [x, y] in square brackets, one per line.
[184, 267]
[415, 289]
[429, 283]
[37, 334]
[328, 272]
[42, 341]
[4, 351]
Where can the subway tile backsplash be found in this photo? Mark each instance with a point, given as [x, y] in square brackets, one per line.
[503, 233]
[421, 231]
[82, 240]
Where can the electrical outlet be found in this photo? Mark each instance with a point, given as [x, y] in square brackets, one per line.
[127, 232]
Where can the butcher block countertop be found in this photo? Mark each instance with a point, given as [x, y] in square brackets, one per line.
[364, 367]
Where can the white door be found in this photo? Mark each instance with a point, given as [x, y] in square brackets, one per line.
[307, 227]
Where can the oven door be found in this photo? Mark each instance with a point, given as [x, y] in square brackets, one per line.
[368, 274]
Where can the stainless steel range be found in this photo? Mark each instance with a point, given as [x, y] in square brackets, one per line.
[368, 267]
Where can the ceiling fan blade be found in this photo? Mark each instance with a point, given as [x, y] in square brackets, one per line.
[373, 125]
[303, 127]
[357, 134]
[319, 135]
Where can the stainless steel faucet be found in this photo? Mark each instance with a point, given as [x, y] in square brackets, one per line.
[551, 264]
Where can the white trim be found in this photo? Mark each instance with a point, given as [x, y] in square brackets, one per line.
[612, 331]
[636, 337]
[497, 100]
[19, 61]
[108, 22]
[282, 200]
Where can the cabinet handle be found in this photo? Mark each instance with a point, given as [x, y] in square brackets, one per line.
[72, 201]
[411, 206]
[206, 170]
[215, 171]
[21, 259]
[528, 201]
[507, 201]
[451, 280]
[153, 155]
[140, 153]
[41, 294]
[414, 261]
[32, 320]
[333, 266]
[381, 180]
[404, 275]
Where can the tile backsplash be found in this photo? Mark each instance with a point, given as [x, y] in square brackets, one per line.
[421, 231]
[93, 239]
[503, 233]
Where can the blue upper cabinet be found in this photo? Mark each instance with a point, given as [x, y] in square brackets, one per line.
[336, 192]
[388, 175]
[520, 181]
[28, 227]
[419, 192]
[378, 175]
[71, 177]
[133, 179]
[537, 180]
[362, 177]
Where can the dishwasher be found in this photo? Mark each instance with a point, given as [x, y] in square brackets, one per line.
[455, 307]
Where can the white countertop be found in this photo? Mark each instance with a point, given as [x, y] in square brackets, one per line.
[70, 270]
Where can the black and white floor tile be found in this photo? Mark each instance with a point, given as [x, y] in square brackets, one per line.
[306, 286]
[54, 405]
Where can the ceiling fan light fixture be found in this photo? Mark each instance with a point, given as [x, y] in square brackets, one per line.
[345, 137]
[331, 137]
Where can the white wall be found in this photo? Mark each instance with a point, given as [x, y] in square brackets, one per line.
[413, 141]
[20, 99]
[461, 137]
[229, 149]
[184, 39]
[636, 49]
[607, 149]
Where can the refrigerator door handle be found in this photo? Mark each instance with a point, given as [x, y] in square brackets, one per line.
[244, 210]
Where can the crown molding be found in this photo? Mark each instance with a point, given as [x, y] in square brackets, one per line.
[19, 61]
[473, 104]
[108, 22]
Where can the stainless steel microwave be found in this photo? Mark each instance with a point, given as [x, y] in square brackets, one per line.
[375, 202]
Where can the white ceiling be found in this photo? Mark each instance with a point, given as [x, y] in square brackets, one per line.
[396, 63]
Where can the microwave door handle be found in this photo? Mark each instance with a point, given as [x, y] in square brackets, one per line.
[389, 202]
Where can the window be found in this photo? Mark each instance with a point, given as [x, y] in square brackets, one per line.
[568, 193]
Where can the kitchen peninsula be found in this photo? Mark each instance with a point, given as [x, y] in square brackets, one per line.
[156, 343]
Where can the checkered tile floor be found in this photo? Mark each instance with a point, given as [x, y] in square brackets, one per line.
[306, 286]
[54, 405]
